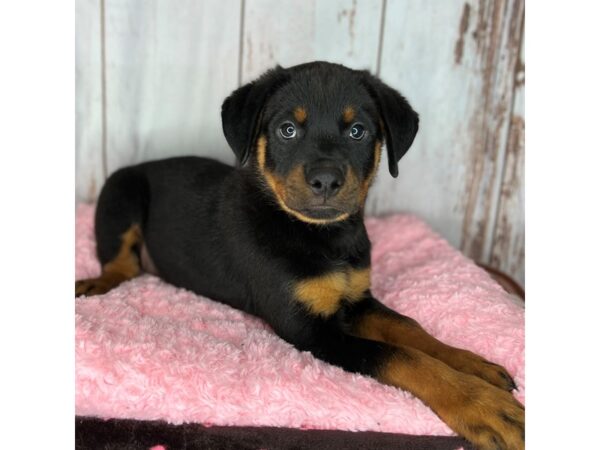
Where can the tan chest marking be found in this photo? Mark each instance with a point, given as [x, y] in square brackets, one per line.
[323, 294]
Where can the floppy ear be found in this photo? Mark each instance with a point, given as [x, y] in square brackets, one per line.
[241, 111]
[400, 121]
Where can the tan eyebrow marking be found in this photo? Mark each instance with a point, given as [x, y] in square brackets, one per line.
[348, 114]
[300, 114]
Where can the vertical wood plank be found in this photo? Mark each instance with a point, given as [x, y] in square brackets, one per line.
[508, 250]
[288, 33]
[500, 30]
[454, 62]
[169, 67]
[89, 173]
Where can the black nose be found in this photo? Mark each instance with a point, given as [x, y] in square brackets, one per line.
[325, 181]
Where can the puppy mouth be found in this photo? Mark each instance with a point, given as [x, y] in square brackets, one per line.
[318, 210]
[322, 212]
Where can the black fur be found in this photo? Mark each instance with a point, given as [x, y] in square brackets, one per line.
[282, 236]
[220, 232]
[241, 111]
[400, 121]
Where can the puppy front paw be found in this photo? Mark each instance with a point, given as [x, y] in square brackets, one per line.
[470, 363]
[489, 417]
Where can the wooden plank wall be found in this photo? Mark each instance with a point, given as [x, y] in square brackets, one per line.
[151, 75]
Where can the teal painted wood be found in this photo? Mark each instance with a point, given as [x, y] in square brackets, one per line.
[89, 171]
[169, 67]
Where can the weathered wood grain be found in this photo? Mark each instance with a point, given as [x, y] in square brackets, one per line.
[508, 247]
[89, 171]
[419, 59]
[498, 36]
[289, 33]
[169, 67]
[454, 61]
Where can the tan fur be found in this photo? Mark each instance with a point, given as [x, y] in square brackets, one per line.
[371, 176]
[277, 185]
[470, 406]
[323, 294]
[294, 190]
[300, 114]
[359, 281]
[123, 267]
[403, 331]
[348, 114]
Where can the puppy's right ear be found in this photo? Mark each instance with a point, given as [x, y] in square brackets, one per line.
[241, 111]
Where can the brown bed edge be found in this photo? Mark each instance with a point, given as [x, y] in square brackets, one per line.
[113, 434]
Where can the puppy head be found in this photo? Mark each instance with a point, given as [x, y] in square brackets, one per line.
[314, 133]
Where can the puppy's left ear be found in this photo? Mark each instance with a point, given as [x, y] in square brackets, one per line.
[241, 111]
[400, 121]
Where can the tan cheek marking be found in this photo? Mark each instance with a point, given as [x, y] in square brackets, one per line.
[261, 152]
[278, 187]
[295, 181]
[369, 179]
[274, 183]
[300, 114]
[348, 114]
[322, 295]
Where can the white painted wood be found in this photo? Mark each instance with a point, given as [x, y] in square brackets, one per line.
[446, 58]
[290, 33]
[89, 173]
[499, 32]
[418, 59]
[508, 250]
[169, 67]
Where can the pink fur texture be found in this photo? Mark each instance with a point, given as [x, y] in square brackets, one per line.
[148, 350]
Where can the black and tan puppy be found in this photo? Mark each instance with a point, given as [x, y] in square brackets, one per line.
[283, 237]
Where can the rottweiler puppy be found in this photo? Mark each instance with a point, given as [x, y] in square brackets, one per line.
[282, 237]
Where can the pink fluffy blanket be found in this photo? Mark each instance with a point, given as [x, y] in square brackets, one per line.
[148, 350]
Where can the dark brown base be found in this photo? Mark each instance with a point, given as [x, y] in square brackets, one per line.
[113, 434]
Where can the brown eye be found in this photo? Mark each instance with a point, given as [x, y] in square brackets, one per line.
[287, 130]
[357, 131]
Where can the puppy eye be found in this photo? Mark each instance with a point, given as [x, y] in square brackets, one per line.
[287, 130]
[357, 131]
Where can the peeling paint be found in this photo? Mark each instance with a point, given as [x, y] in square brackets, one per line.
[462, 29]
[508, 251]
[498, 46]
[520, 73]
[350, 14]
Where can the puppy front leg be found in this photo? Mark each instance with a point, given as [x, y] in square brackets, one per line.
[489, 417]
[371, 319]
